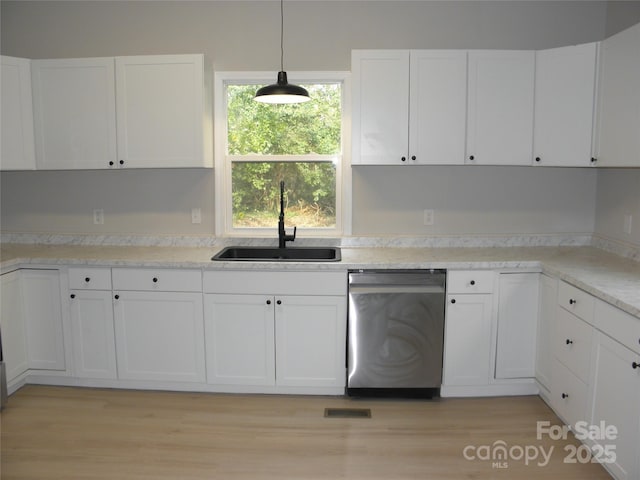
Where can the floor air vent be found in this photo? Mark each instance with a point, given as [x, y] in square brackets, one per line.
[347, 413]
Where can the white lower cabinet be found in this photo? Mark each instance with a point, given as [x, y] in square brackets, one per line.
[159, 335]
[42, 314]
[614, 390]
[594, 379]
[517, 325]
[310, 341]
[615, 401]
[14, 336]
[92, 331]
[572, 348]
[568, 394]
[239, 332]
[94, 348]
[296, 341]
[490, 333]
[286, 333]
[547, 304]
[32, 323]
[467, 348]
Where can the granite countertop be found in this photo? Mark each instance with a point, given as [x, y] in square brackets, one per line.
[607, 276]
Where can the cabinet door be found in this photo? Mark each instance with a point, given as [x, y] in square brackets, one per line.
[160, 108]
[564, 105]
[311, 341]
[517, 325]
[74, 113]
[240, 339]
[17, 142]
[619, 105]
[568, 394]
[43, 319]
[500, 107]
[467, 346]
[615, 400]
[94, 348]
[548, 300]
[572, 343]
[159, 336]
[438, 111]
[14, 335]
[380, 125]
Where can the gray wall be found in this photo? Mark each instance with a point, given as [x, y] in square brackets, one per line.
[239, 35]
[618, 195]
[474, 200]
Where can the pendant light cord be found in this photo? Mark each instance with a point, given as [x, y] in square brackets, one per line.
[282, 35]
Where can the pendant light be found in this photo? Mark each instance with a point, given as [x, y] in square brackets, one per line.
[282, 91]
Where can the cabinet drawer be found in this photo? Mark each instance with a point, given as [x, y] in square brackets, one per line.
[576, 301]
[276, 283]
[90, 278]
[572, 343]
[164, 280]
[619, 325]
[568, 395]
[470, 281]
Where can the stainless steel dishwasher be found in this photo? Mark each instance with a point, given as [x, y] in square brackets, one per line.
[395, 332]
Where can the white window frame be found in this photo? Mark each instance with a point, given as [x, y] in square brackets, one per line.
[223, 204]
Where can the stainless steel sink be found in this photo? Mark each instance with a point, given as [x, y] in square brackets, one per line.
[276, 254]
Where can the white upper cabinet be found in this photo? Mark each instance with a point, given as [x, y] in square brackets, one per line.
[164, 118]
[619, 100]
[74, 113]
[409, 106]
[564, 105]
[17, 142]
[500, 108]
[162, 105]
[380, 128]
[438, 106]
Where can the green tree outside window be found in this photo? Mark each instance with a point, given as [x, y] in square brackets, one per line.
[257, 131]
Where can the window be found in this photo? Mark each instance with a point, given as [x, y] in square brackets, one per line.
[258, 145]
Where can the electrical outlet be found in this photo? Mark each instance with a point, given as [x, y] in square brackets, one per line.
[627, 224]
[196, 215]
[98, 216]
[429, 217]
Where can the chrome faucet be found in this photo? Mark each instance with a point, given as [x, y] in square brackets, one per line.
[283, 238]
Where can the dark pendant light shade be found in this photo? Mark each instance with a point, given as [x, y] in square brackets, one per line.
[282, 91]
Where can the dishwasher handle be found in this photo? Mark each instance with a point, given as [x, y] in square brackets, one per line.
[397, 280]
[394, 289]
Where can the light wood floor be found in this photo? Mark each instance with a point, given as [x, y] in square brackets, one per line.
[73, 433]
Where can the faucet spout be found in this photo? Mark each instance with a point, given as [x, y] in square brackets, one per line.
[283, 237]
